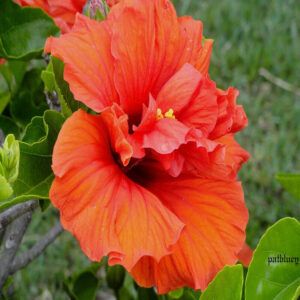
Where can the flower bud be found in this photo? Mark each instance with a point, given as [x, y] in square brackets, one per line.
[97, 10]
[9, 159]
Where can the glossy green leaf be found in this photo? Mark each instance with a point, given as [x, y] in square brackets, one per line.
[8, 126]
[5, 189]
[290, 182]
[85, 286]
[4, 100]
[146, 294]
[23, 31]
[227, 284]
[125, 294]
[53, 79]
[115, 276]
[176, 294]
[30, 96]
[35, 173]
[274, 272]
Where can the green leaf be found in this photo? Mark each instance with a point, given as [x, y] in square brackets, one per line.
[290, 182]
[125, 294]
[35, 173]
[4, 100]
[23, 31]
[146, 294]
[85, 286]
[31, 96]
[227, 284]
[115, 276]
[176, 294]
[9, 126]
[5, 189]
[53, 79]
[44, 204]
[17, 70]
[270, 276]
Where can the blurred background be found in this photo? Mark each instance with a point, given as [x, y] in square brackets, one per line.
[256, 45]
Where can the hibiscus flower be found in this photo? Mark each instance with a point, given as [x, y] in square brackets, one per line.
[63, 12]
[151, 180]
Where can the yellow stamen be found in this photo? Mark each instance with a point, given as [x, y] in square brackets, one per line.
[169, 114]
[159, 114]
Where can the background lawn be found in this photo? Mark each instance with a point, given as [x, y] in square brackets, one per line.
[249, 35]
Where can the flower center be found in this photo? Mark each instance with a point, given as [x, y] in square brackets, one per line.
[168, 114]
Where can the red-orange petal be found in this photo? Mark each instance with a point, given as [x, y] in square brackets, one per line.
[88, 68]
[235, 155]
[215, 216]
[63, 12]
[192, 97]
[245, 255]
[197, 52]
[231, 117]
[149, 32]
[107, 212]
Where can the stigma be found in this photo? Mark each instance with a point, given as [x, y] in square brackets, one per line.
[168, 114]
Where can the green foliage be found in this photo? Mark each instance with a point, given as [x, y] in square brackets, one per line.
[35, 159]
[176, 294]
[115, 276]
[227, 284]
[269, 279]
[53, 79]
[23, 31]
[30, 95]
[4, 100]
[84, 285]
[291, 182]
[7, 125]
[146, 294]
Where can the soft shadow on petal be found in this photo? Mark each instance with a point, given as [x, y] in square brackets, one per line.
[215, 216]
[88, 62]
[105, 210]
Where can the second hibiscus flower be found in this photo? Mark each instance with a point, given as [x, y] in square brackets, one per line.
[151, 180]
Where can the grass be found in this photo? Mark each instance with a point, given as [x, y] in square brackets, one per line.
[248, 35]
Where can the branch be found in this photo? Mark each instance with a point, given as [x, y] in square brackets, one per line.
[11, 245]
[278, 81]
[2, 137]
[24, 259]
[16, 211]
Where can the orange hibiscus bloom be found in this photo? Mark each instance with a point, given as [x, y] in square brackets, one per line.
[63, 12]
[151, 180]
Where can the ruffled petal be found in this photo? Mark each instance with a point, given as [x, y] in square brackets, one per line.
[192, 97]
[64, 12]
[215, 216]
[197, 52]
[88, 62]
[235, 155]
[107, 212]
[149, 32]
[231, 117]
